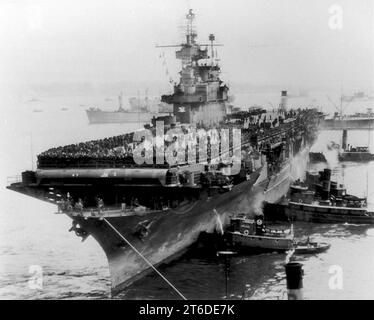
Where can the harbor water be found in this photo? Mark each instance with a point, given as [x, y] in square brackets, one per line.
[35, 240]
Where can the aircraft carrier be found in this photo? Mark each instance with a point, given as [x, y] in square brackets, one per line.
[144, 207]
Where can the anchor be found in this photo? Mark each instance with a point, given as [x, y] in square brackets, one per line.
[142, 229]
[79, 231]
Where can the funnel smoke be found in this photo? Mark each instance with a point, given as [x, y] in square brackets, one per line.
[331, 154]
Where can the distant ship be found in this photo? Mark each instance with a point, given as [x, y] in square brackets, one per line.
[357, 121]
[149, 105]
[346, 152]
[140, 111]
[360, 95]
[301, 94]
[355, 154]
[33, 100]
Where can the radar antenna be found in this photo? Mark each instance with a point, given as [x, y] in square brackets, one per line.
[190, 34]
[211, 39]
[120, 101]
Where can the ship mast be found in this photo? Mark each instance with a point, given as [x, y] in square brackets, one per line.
[211, 39]
[200, 86]
[120, 101]
[190, 34]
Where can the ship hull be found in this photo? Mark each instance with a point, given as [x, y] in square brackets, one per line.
[349, 124]
[172, 232]
[356, 156]
[254, 243]
[323, 214]
[98, 116]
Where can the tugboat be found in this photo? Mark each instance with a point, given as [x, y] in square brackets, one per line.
[251, 234]
[324, 201]
[355, 154]
[357, 121]
[146, 196]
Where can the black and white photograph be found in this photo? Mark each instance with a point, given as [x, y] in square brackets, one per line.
[205, 150]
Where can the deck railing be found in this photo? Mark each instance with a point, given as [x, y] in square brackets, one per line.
[14, 179]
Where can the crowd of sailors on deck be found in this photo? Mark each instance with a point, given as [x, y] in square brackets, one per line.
[77, 205]
[263, 120]
[116, 146]
[68, 204]
[122, 146]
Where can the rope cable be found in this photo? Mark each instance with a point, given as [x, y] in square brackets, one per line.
[146, 260]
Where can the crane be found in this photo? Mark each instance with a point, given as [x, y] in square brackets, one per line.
[340, 108]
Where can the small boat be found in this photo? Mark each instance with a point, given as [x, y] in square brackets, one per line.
[320, 156]
[317, 157]
[37, 110]
[356, 154]
[308, 247]
[64, 109]
[298, 186]
[246, 234]
[326, 202]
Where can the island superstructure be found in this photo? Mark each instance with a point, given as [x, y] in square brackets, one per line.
[159, 206]
[201, 96]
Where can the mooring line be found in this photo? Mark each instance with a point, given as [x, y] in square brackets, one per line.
[146, 260]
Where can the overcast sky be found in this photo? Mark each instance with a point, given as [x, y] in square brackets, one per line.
[295, 42]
